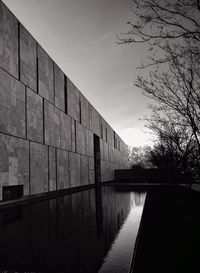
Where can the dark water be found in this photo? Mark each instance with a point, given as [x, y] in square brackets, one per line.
[89, 231]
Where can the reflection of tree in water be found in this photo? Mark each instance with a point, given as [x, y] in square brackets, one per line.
[137, 199]
[116, 207]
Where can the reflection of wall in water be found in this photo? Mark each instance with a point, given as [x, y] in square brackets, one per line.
[61, 234]
[116, 207]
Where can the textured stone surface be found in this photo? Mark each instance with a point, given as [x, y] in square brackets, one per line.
[103, 129]
[12, 105]
[85, 119]
[59, 88]
[111, 172]
[115, 156]
[45, 74]
[110, 135]
[34, 116]
[94, 121]
[91, 171]
[68, 160]
[110, 154]
[8, 41]
[104, 150]
[89, 143]
[124, 150]
[14, 162]
[52, 168]
[84, 170]
[28, 59]
[104, 171]
[66, 132]
[62, 169]
[73, 107]
[52, 125]
[38, 168]
[73, 135]
[80, 139]
[107, 171]
[74, 167]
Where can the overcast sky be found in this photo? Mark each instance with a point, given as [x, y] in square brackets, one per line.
[79, 35]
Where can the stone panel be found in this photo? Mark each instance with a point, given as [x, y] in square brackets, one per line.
[28, 59]
[115, 156]
[105, 151]
[80, 139]
[68, 160]
[12, 105]
[107, 171]
[66, 132]
[118, 157]
[110, 135]
[73, 135]
[84, 170]
[85, 120]
[62, 169]
[103, 129]
[110, 153]
[59, 88]
[101, 149]
[34, 116]
[89, 143]
[8, 41]
[14, 162]
[52, 168]
[124, 150]
[52, 125]
[45, 74]
[73, 107]
[91, 171]
[38, 168]
[74, 167]
[103, 171]
[111, 175]
[94, 121]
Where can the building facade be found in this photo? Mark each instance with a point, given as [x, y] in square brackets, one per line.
[51, 137]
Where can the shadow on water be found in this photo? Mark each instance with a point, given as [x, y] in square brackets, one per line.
[169, 235]
[80, 232]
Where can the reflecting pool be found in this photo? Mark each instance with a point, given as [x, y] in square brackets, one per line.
[119, 258]
[89, 231]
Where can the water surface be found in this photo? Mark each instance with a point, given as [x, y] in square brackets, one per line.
[89, 231]
[120, 255]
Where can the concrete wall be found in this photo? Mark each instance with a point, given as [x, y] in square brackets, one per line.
[46, 124]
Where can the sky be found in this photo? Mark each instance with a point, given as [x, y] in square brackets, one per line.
[80, 36]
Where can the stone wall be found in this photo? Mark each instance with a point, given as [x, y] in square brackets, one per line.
[46, 124]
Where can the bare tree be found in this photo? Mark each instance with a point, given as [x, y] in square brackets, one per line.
[161, 22]
[177, 90]
[138, 157]
[175, 145]
[172, 31]
[158, 20]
